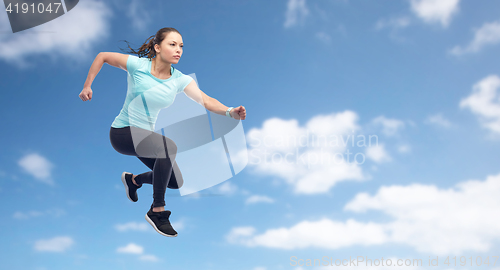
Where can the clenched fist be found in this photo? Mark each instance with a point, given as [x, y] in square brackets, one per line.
[86, 94]
[239, 113]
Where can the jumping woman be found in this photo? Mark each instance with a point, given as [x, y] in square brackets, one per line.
[153, 84]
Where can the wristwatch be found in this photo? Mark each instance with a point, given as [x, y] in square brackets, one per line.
[229, 110]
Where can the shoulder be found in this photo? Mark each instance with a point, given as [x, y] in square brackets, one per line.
[135, 62]
[181, 79]
[177, 74]
[140, 60]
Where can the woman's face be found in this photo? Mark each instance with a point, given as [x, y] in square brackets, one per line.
[170, 49]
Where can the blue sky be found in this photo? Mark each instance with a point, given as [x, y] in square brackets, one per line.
[422, 76]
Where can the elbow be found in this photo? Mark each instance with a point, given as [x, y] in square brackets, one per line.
[207, 103]
[102, 57]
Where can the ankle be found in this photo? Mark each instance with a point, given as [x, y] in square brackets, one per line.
[159, 209]
[133, 180]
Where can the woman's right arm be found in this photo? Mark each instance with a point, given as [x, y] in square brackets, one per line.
[113, 59]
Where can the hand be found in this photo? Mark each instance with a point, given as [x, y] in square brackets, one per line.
[238, 113]
[86, 94]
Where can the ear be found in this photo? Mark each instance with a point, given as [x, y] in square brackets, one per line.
[157, 48]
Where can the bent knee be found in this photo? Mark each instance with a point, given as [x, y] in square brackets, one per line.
[175, 184]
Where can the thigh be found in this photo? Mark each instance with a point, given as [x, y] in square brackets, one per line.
[121, 140]
[155, 145]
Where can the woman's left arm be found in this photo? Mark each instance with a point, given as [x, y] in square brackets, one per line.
[212, 104]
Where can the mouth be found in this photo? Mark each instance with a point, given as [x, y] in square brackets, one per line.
[177, 56]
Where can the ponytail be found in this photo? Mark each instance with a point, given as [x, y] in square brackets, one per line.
[147, 49]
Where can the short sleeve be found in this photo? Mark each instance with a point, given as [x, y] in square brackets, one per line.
[132, 63]
[183, 81]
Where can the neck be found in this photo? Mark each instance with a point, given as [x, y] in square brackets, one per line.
[161, 68]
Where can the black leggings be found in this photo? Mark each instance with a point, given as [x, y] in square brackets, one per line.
[155, 151]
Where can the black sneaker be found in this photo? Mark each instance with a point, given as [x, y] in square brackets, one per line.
[130, 187]
[160, 222]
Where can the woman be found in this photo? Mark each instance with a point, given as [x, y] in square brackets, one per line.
[152, 85]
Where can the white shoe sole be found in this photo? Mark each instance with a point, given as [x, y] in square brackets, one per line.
[124, 181]
[156, 229]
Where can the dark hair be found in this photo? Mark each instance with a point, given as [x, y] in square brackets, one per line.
[147, 49]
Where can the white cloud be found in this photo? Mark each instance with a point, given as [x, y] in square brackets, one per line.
[431, 220]
[179, 225]
[138, 15]
[440, 221]
[71, 35]
[138, 250]
[326, 38]
[238, 233]
[131, 249]
[323, 233]
[296, 12]
[227, 188]
[27, 215]
[56, 244]
[438, 120]
[390, 127]
[485, 102]
[310, 158]
[149, 258]
[33, 214]
[377, 153]
[132, 226]
[435, 11]
[488, 34]
[404, 148]
[394, 23]
[258, 199]
[38, 166]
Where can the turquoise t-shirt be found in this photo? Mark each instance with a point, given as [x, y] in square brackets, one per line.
[147, 95]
